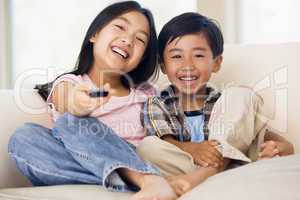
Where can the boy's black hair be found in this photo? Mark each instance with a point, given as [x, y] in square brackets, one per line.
[190, 23]
[145, 69]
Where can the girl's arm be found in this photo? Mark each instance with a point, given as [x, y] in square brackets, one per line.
[74, 98]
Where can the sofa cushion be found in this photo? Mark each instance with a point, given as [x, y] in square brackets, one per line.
[275, 179]
[62, 192]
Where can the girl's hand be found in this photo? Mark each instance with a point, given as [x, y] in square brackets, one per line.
[205, 154]
[82, 104]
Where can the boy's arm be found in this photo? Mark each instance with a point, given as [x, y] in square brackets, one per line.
[204, 154]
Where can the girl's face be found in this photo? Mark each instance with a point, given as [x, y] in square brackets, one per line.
[189, 63]
[120, 44]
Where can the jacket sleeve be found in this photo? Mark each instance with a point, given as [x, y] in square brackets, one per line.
[235, 123]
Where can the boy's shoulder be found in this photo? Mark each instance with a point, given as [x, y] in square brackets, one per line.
[168, 99]
[165, 96]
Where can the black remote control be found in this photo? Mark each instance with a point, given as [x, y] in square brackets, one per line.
[98, 93]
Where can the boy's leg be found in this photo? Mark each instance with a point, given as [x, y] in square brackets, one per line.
[177, 165]
[170, 160]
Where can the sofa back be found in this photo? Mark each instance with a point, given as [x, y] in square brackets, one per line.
[271, 69]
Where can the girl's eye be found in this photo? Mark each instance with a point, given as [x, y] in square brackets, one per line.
[199, 55]
[141, 40]
[176, 56]
[120, 27]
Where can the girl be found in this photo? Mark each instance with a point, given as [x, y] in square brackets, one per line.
[93, 139]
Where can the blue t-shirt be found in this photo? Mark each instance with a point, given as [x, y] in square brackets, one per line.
[195, 124]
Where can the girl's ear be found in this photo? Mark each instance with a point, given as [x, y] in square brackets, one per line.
[217, 64]
[93, 38]
[163, 68]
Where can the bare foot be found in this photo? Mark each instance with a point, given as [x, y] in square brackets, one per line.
[155, 188]
[184, 183]
[180, 184]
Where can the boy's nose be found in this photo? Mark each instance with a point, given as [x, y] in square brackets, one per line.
[188, 63]
[188, 68]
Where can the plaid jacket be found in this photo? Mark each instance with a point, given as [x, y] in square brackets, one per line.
[162, 114]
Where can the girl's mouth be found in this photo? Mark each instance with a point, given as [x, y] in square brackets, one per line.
[120, 52]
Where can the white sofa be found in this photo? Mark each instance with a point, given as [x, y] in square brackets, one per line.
[273, 70]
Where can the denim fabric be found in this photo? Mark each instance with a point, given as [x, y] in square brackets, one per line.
[78, 150]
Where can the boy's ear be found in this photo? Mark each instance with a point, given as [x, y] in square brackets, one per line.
[217, 64]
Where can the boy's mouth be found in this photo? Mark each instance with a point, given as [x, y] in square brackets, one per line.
[120, 52]
[188, 78]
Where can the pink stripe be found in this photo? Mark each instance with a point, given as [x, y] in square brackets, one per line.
[134, 138]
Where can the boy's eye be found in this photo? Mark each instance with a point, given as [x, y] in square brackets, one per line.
[176, 56]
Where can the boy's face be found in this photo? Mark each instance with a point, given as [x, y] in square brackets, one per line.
[189, 63]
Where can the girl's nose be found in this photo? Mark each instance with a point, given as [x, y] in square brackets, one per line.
[127, 41]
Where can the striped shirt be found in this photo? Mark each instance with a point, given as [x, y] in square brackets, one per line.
[162, 114]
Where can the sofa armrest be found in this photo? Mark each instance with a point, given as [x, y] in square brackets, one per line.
[17, 109]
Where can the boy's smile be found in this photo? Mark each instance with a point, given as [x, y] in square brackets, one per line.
[189, 63]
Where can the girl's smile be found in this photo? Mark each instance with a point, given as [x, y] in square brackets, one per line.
[120, 44]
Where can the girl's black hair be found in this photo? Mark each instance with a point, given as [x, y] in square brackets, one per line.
[189, 23]
[146, 69]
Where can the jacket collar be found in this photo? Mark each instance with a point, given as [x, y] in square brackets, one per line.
[169, 95]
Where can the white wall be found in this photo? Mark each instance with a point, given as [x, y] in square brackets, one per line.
[255, 21]
[4, 51]
[225, 12]
[50, 43]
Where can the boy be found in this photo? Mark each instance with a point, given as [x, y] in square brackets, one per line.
[202, 131]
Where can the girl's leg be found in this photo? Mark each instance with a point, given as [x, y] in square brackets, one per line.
[100, 158]
[44, 160]
[98, 149]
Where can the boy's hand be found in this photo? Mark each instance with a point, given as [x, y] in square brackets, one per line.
[269, 149]
[82, 103]
[205, 154]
